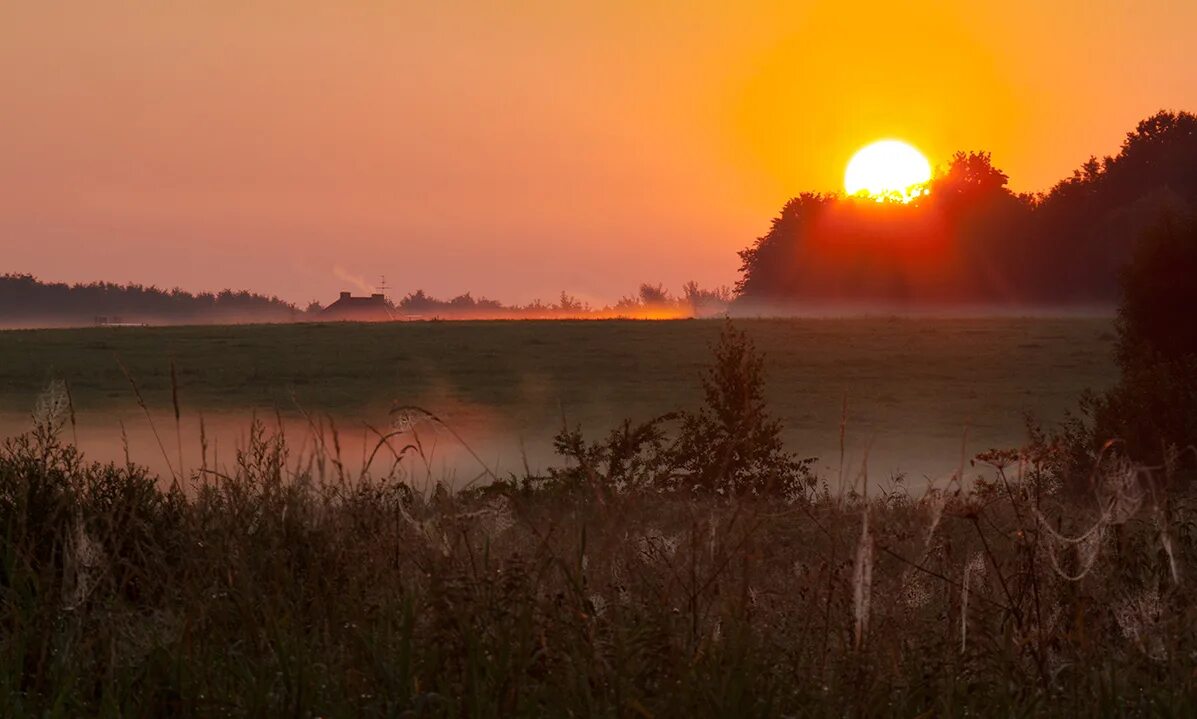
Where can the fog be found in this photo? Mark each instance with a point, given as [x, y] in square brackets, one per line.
[917, 392]
[472, 445]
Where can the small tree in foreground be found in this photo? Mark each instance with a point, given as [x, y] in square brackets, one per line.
[732, 445]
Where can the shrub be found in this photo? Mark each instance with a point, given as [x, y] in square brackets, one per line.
[730, 446]
[1150, 415]
[1152, 411]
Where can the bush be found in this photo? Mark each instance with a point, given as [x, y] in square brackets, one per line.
[1152, 412]
[730, 446]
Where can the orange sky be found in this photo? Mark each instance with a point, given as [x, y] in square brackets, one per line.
[518, 148]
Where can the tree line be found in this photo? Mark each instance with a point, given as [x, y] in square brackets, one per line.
[651, 300]
[969, 238]
[25, 300]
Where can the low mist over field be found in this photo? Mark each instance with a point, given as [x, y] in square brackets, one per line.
[918, 391]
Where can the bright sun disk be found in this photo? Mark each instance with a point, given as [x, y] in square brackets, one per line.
[887, 169]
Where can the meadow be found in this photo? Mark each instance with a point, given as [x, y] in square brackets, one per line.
[279, 583]
[914, 388]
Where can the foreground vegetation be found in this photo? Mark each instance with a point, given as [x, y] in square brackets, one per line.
[631, 581]
[278, 588]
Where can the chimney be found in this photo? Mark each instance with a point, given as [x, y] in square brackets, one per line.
[376, 297]
[344, 295]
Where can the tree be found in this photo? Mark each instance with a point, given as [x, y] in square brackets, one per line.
[1152, 411]
[418, 301]
[654, 295]
[705, 302]
[731, 445]
[770, 268]
[25, 299]
[969, 175]
[570, 304]
[1065, 246]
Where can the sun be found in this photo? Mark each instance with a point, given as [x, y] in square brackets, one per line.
[887, 169]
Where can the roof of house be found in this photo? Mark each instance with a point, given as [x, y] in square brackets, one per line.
[363, 309]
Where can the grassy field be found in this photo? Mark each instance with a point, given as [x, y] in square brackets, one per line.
[277, 587]
[643, 577]
[912, 385]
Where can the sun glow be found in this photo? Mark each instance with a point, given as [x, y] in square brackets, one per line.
[887, 170]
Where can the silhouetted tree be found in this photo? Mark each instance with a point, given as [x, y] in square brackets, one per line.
[705, 302]
[568, 304]
[1152, 411]
[968, 176]
[768, 267]
[732, 446]
[971, 239]
[1087, 225]
[654, 295]
[25, 300]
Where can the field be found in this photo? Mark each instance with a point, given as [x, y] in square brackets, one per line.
[912, 386]
[707, 576]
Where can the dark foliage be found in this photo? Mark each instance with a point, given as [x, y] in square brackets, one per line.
[652, 301]
[769, 269]
[634, 457]
[1150, 415]
[729, 447]
[1155, 320]
[273, 589]
[970, 239]
[1152, 412]
[419, 302]
[24, 299]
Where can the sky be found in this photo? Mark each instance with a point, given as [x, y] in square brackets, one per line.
[518, 148]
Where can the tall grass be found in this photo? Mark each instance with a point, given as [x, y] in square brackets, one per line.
[279, 585]
[701, 571]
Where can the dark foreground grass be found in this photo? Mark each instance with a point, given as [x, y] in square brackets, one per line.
[281, 587]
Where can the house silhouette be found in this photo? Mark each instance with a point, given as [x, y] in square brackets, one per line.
[348, 308]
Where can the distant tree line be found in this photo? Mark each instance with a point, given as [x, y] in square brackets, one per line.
[26, 300]
[693, 299]
[969, 238]
[652, 300]
[419, 302]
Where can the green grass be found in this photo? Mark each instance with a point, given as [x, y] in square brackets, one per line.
[912, 385]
